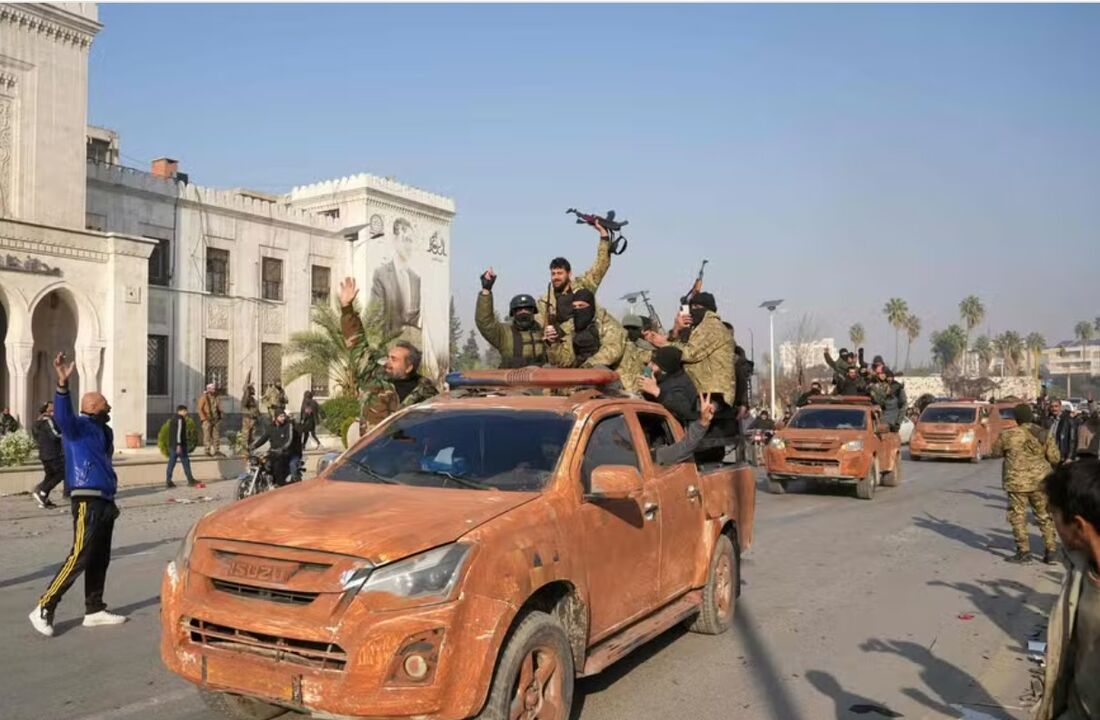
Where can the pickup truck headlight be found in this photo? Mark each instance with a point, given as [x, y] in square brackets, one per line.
[427, 577]
[778, 443]
[854, 445]
[967, 437]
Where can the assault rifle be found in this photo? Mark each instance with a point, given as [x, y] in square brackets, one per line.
[696, 287]
[614, 227]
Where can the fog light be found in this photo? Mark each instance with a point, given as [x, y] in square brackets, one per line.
[416, 667]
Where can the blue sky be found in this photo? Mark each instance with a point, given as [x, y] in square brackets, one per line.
[834, 156]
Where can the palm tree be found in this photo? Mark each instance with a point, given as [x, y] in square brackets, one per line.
[972, 312]
[912, 332]
[857, 336]
[948, 346]
[983, 348]
[1010, 346]
[896, 310]
[321, 350]
[1035, 343]
[1083, 331]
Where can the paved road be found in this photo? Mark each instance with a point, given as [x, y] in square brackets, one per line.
[846, 604]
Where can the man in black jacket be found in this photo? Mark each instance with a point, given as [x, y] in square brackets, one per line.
[670, 386]
[47, 436]
[280, 436]
[178, 449]
[1064, 429]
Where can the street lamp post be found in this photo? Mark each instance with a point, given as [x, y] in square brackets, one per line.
[771, 305]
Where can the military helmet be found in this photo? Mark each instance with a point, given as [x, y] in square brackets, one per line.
[631, 320]
[522, 301]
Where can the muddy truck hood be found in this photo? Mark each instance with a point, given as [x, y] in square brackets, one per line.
[380, 523]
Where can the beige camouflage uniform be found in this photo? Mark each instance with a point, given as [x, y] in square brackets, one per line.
[636, 356]
[379, 397]
[612, 342]
[590, 280]
[1030, 454]
[708, 356]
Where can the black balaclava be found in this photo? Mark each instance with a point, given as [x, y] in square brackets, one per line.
[704, 301]
[582, 318]
[523, 321]
[633, 334]
[669, 359]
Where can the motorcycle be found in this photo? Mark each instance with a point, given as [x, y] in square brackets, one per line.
[257, 479]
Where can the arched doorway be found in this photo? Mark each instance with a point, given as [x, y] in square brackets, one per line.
[53, 327]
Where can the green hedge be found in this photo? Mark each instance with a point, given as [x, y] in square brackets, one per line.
[192, 436]
[336, 412]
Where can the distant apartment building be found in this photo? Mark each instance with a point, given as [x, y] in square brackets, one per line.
[1072, 357]
[812, 353]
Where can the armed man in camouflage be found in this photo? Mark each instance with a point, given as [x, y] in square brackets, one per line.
[636, 354]
[1030, 454]
[250, 412]
[708, 353]
[589, 338]
[275, 399]
[402, 384]
[519, 342]
[556, 305]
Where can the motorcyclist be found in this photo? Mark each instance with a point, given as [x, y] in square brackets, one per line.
[282, 444]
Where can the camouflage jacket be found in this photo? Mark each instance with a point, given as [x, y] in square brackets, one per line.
[503, 336]
[1030, 454]
[708, 356]
[635, 357]
[548, 304]
[380, 400]
[274, 398]
[249, 406]
[612, 343]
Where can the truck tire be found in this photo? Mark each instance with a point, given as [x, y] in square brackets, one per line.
[238, 707]
[720, 593]
[893, 478]
[776, 487]
[865, 488]
[535, 671]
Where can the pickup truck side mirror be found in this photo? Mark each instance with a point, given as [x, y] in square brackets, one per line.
[985, 421]
[614, 482]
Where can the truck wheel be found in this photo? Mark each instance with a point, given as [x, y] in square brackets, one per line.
[534, 677]
[776, 487]
[865, 488]
[720, 593]
[893, 478]
[238, 707]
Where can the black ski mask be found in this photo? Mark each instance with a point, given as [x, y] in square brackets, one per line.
[583, 317]
[634, 334]
[700, 304]
[523, 321]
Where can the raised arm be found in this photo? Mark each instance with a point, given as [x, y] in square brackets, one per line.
[63, 413]
[484, 313]
[595, 274]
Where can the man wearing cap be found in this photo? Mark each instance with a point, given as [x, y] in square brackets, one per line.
[636, 353]
[210, 414]
[670, 386]
[519, 342]
[589, 338]
[1030, 453]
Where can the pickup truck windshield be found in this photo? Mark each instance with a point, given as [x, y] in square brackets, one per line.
[829, 419]
[1008, 413]
[475, 449]
[949, 415]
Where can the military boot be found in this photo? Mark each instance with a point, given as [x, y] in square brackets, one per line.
[1020, 558]
[1050, 556]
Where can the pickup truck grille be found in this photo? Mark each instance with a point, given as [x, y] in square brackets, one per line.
[290, 597]
[814, 462]
[320, 655]
[813, 445]
[940, 437]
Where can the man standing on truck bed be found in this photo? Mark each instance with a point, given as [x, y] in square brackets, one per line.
[519, 342]
[402, 384]
[1030, 453]
[590, 338]
[556, 307]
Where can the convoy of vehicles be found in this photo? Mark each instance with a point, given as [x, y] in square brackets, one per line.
[959, 429]
[470, 557]
[835, 439]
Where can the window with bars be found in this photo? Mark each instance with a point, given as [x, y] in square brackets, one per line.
[159, 273]
[320, 279]
[217, 271]
[217, 363]
[318, 385]
[157, 360]
[271, 364]
[272, 279]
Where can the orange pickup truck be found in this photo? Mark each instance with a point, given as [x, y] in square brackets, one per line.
[470, 557]
[958, 429]
[838, 439]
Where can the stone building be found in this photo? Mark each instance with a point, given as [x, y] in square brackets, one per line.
[157, 285]
[810, 352]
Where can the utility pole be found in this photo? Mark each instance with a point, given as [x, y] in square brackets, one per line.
[771, 305]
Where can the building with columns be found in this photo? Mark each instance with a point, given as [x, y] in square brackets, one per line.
[157, 285]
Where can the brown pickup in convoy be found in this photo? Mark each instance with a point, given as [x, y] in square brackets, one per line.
[470, 557]
[838, 439]
[958, 429]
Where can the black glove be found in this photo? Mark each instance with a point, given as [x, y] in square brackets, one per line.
[487, 281]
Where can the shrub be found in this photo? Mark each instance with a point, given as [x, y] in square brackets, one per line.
[15, 448]
[344, 430]
[336, 413]
[192, 436]
[235, 441]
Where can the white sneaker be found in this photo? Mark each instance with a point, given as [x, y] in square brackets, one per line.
[103, 618]
[41, 621]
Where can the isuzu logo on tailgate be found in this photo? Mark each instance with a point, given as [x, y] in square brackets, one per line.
[261, 571]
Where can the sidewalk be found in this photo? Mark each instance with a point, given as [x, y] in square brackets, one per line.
[146, 466]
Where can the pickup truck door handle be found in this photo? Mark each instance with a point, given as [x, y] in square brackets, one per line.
[693, 493]
[650, 510]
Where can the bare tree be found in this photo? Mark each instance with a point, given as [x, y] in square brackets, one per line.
[801, 337]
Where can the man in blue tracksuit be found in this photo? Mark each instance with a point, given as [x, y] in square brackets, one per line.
[89, 444]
